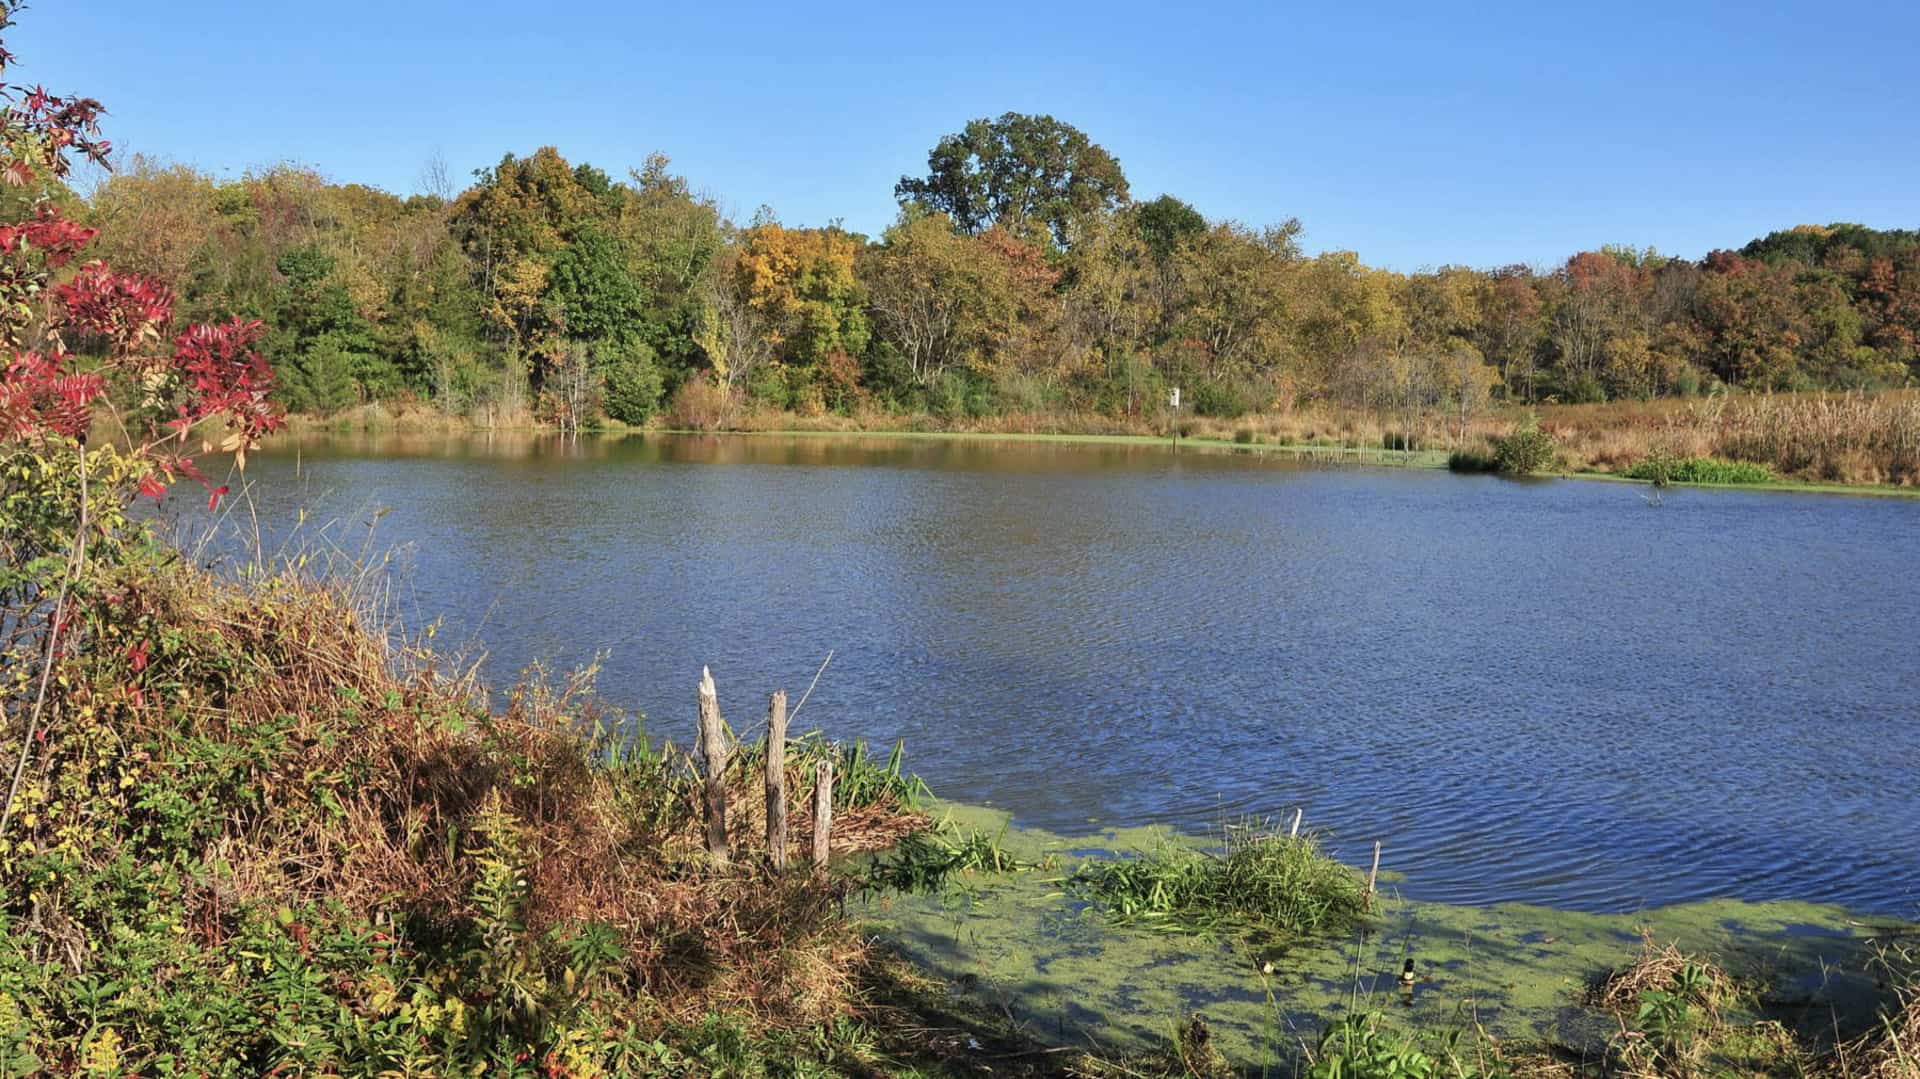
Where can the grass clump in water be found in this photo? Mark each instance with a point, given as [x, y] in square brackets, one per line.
[1259, 879]
[923, 862]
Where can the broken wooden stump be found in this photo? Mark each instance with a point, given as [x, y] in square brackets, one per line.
[777, 780]
[822, 814]
[713, 753]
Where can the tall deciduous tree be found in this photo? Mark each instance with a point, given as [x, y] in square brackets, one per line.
[1030, 174]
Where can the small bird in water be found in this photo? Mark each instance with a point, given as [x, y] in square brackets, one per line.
[1407, 976]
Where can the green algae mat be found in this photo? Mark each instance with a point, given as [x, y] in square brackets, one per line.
[1021, 946]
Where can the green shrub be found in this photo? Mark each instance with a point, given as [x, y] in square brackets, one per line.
[1403, 441]
[1221, 401]
[633, 384]
[1244, 436]
[1527, 450]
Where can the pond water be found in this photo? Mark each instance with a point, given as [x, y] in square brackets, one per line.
[1549, 692]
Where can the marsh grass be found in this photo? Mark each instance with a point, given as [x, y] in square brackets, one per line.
[1663, 470]
[1258, 879]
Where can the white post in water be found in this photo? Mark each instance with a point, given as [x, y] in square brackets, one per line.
[1173, 402]
[1373, 874]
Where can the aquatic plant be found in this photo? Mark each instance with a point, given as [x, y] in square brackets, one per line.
[1363, 1046]
[923, 861]
[1256, 879]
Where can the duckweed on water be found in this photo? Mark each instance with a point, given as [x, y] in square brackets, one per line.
[1522, 976]
[1259, 879]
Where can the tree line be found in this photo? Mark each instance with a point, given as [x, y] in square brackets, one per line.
[1020, 275]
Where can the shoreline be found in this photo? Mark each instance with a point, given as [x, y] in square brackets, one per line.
[1361, 456]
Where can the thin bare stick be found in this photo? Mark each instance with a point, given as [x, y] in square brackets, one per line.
[76, 562]
[1297, 813]
[1373, 875]
[810, 685]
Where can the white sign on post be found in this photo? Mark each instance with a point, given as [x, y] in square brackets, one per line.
[1173, 399]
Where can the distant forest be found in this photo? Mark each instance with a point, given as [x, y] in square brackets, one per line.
[1021, 275]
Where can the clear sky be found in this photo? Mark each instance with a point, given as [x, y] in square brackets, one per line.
[1417, 135]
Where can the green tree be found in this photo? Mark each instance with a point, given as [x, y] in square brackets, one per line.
[597, 297]
[1031, 174]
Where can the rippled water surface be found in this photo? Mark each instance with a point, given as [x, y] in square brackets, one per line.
[1547, 691]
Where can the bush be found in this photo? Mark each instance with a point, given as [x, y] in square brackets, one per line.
[1124, 386]
[957, 396]
[700, 404]
[769, 386]
[1527, 450]
[633, 384]
[1025, 393]
[1221, 401]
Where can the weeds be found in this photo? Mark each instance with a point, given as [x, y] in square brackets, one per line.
[1259, 879]
[1361, 1046]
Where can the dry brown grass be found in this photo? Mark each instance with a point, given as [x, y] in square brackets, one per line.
[1852, 438]
[1656, 968]
[1889, 1051]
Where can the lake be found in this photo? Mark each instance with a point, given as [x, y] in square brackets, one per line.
[1554, 692]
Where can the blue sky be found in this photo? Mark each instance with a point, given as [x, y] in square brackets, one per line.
[1416, 135]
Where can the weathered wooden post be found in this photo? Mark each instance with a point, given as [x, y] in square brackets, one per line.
[822, 814]
[1373, 875]
[713, 750]
[777, 779]
[1297, 813]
